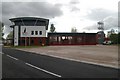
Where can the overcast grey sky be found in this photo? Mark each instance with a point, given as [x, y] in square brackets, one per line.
[65, 14]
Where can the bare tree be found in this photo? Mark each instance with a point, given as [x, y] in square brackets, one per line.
[73, 30]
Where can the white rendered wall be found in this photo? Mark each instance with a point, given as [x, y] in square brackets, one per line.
[16, 36]
[32, 28]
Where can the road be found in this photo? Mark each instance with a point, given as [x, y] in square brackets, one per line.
[21, 64]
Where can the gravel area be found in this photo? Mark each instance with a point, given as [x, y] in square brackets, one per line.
[99, 54]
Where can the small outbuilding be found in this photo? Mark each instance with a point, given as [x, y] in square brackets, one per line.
[72, 38]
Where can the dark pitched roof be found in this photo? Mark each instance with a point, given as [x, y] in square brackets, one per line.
[30, 21]
[69, 34]
[28, 18]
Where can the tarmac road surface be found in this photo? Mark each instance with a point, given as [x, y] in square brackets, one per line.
[21, 64]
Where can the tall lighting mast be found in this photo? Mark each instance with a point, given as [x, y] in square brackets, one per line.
[101, 35]
[101, 25]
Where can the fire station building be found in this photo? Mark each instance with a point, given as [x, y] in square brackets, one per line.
[29, 31]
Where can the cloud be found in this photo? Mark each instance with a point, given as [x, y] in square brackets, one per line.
[99, 14]
[110, 22]
[119, 16]
[109, 18]
[40, 9]
[73, 8]
[91, 27]
[72, 5]
[74, 2]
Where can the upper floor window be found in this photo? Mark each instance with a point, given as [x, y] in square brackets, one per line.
[32, 32]
[40, 32]
[36, 32]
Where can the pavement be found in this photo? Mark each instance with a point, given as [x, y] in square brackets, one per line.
[105, 55]
[22, 64]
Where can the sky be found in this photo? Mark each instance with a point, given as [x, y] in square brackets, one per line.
[64, 14]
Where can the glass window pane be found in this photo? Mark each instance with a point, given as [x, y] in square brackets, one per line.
[40, 32]
[32, 32]
[36, 32]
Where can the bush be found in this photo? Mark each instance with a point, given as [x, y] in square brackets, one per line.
[114, 38]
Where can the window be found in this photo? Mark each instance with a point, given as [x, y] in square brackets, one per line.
[36, 32]
[40, 32]
[32, 32]
[40, 41]
[23, 41]
[63, 37]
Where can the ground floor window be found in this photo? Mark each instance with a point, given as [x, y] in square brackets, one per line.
[32, 41]
[40, 41]
[23, 41]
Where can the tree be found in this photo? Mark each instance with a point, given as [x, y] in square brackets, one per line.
[10, 35]
[114, 38]
[52, 28]
[73, 30]
[112, 31]
[1, 30]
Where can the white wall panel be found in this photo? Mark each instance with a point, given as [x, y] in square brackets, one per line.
[27, 32]
[16, 36]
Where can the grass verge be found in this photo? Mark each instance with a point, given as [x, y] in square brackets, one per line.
[24, 46]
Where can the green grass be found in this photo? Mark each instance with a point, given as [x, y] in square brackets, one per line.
[24, 46]
[119, 45]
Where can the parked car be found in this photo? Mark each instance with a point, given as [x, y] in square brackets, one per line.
[107, 42]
